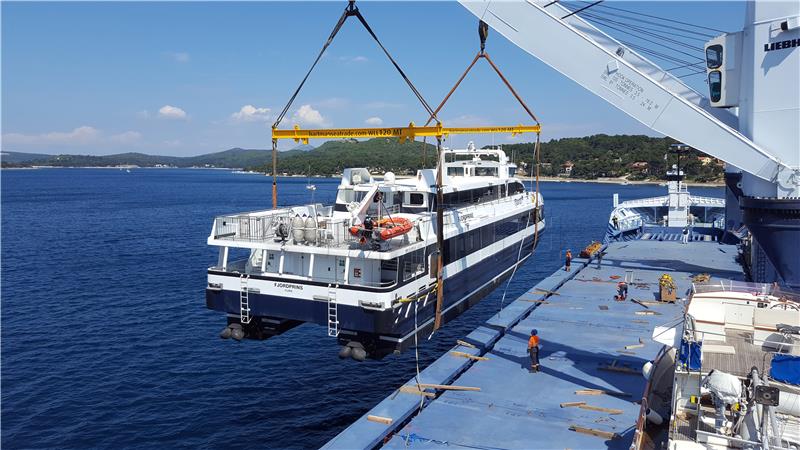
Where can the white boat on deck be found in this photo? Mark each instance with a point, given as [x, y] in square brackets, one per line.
[735, 359]
[365, 267]
[704, 216]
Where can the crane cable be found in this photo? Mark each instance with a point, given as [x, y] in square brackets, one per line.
[350, 10]
[483, 33]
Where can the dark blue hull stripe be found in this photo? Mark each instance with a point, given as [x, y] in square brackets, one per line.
[457, 289]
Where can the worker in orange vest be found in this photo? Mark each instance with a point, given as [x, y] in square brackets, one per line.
[533, 350]
[568, 260]
[622, 291]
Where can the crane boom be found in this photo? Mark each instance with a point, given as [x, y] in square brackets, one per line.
[628, 81]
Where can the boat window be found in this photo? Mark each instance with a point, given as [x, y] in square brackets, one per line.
[486, 171]
[344, 196]
[455, 171]
[715, 85]
[414, 264]
[714, 56]
[502, 190]
[388, 271]
[416, 199]
[512, 171]
[515, 188]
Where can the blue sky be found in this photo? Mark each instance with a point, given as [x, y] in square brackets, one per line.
[191, 78]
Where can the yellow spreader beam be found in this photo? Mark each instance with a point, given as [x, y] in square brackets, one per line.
[402, 133]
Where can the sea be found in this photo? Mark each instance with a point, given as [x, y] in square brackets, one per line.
[107, 343]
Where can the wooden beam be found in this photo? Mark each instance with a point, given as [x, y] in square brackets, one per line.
[545, 291]
[379, 419]
[612, 411]
[467, 355]
[465, 344]
[416, 391]
[601, 392]
[594, 432]
[447, 387]
[620, 369]
[534, 301]
[639, 303]
[569, 404]
[632, 346]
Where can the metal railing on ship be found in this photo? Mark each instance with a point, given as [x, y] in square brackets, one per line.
[258, 227]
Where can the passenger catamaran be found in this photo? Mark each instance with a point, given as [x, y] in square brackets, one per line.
[365, 267]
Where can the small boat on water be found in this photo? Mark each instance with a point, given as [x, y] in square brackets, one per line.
[366, 267]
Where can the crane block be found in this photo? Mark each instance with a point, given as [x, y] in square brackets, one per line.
[402, 133]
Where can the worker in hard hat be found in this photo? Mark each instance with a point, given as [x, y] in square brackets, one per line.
[533, 350]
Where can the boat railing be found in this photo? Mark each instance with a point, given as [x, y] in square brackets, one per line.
[458, 211]
[734, 286]
[640, 202]
[631, 223]
[276, 226]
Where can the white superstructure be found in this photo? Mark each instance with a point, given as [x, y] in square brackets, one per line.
[360, 265]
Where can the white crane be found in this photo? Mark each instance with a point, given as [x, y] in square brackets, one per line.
[632, 83]
[751, 121]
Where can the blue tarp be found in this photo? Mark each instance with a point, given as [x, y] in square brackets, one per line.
[689, 356]
[786, 369]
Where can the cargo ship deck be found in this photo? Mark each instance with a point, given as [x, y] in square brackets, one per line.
[589, 342]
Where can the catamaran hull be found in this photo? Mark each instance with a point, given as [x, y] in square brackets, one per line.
[379, 331]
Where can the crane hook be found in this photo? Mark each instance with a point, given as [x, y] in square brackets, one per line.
[483, 32]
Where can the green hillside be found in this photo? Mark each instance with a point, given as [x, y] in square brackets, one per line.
[235, 157]
[636, 157]
[592, 156]
[379, 155]
[614, 156]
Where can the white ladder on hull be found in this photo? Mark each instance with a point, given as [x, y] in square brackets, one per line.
[333, 312]
[244, 301]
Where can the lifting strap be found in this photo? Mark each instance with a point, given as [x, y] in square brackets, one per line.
[350, 10]
[483, 33]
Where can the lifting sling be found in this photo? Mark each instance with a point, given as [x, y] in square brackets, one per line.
[350, 10]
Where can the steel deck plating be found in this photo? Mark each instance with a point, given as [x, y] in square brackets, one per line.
[579, 337]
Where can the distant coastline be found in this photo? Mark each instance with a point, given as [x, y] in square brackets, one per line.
[623, 181]
[241, 171]
[621, 159]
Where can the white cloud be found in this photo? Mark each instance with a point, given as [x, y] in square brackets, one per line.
[355, 59]
[127, 137]
[78, 136]
[171, 112]
[250, 113]
[374, 121]
[172, 143]
[308, 116]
